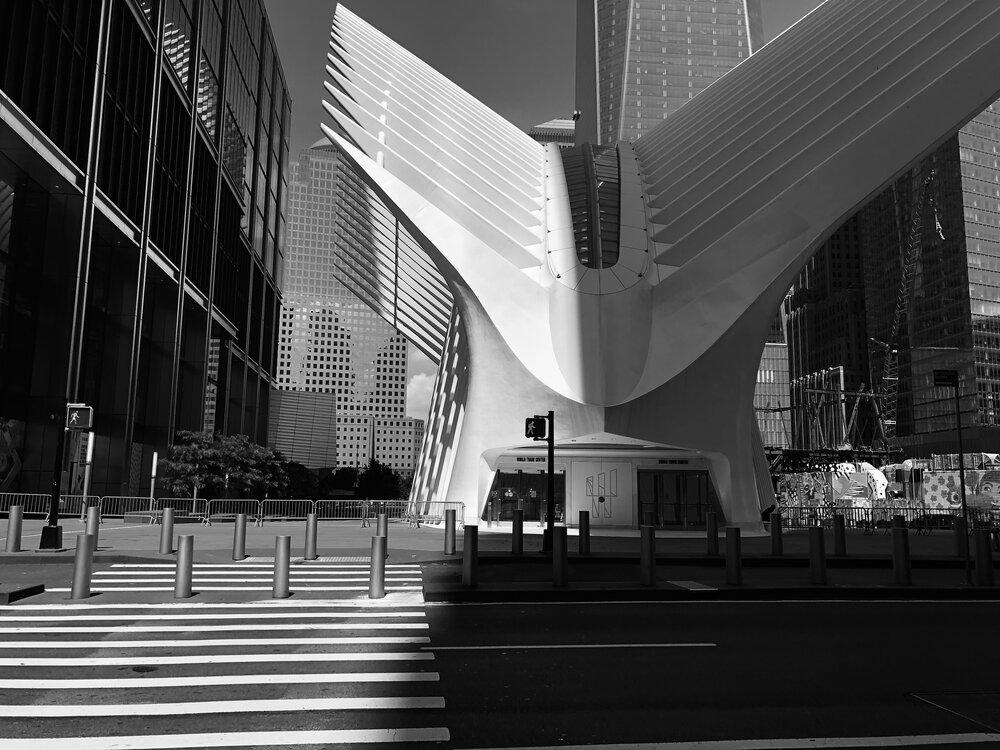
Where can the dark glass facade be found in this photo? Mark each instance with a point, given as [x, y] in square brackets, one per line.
[141, 228]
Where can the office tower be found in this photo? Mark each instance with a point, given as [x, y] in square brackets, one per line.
[560, 132]
[771, 394]
[141, 226]
[342, 370]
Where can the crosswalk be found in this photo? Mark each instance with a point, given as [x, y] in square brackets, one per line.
[315, 672]
[313, 576]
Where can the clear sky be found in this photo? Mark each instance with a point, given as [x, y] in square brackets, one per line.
[517, 56]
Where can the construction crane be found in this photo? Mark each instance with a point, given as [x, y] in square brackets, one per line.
[889, 385]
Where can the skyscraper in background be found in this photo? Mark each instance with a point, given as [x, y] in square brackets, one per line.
[342, 370]
[558, 131]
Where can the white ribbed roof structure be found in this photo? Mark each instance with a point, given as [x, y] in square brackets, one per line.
[630, 287]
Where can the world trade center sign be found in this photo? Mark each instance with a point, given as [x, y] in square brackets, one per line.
[629, 287]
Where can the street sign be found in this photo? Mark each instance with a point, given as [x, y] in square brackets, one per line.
[946, 377]
[534, 427]
[79, 417]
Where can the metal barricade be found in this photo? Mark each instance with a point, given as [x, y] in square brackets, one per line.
[114, 506]
[286, 510]
[354, 509]
[34, 505]
[73, 505]
[432, 512]
[225, 509]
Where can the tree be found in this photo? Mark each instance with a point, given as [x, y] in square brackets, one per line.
[378, 482]
[334, 483]
[301, 481]
[191, 466]
[203, 465]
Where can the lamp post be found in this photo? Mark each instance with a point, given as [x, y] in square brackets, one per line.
[152, 481]
[948, 378]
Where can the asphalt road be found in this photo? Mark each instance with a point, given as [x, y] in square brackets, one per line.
[777, 670]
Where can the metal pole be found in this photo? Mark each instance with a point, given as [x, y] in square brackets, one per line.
[282, 561]
[734, 562]
[449, 531]
[167, 532]
[14, 516]
[900, 556]
[376, 574]
[470, 556]
[383, 526]
[560, 563]
[52, 531]
[152, 482]
[240, 537]
[584, 532]
[817, 555]
[83, 564]
[961, 480]
[94, 523]
[310, 553]
[550, 511]
[777, 542]
[712, 532]
[839, 535]
[647, 556]
[984, 558]
[86, 473]
[517, 532]
[185, 561]
[961, 537]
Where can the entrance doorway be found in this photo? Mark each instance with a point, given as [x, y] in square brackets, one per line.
[675, 499]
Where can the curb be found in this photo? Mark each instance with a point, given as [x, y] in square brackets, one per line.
[11, 592]
[719, 561]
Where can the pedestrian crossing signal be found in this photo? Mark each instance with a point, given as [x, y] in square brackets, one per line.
[79, 417]
[534, 428]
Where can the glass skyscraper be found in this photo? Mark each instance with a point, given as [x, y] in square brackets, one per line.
[142, 181]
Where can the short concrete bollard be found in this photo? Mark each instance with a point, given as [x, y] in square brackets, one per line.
[517, 532]
[15, 515]
[560, 561]
[584, 532]
[449, 531]
[470, 556]
[83, 565]
[94, 523]
[900, 556]
[984, 558]
[777, 539]
[712, 532]
[647, 555]
[376, 571]
[961, 537]
[240, 537]
[839, 535]
[282, 563]
[310, 552]
[185, 562]
[167, 531]
[817, 555]
[734, 557]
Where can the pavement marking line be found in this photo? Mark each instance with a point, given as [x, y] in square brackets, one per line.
[209, 642]
[236, 626]
[226, 679]
[523, 647]
[700, 601]
[199, 708]
[228, 572]
[122, 661]
[692, 586]
[73, 533]
[233, 739]
[230, 588]
[319, 604]
[244, 566]
[783, 743]
[196, 579]
[207, 616]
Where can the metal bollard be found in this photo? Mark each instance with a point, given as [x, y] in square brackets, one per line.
[900, 556]
[560, 563]
[470, 556]
[93, 523]
[898, 522]
[383, 527]
[584, 532]
[310, 553]
[647, 555]
[517, 532]
[376, 572]
[839, 535]
[449, 531]
[240, 537]
[167, 532]
[14, 517]
[712, 532]
[817, 555]
[282, 561]
[961, 537]
[185, 561]
[984, 558]
[83, 564]
[648, 518]
[777, 540]
[734, 561]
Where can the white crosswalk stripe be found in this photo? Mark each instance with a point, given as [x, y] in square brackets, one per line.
[112, 675]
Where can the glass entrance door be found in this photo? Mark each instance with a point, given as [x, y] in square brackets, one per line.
[675, 499]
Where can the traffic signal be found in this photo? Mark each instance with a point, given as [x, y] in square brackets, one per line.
[535, 428]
